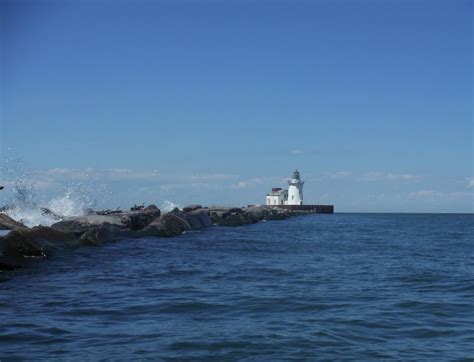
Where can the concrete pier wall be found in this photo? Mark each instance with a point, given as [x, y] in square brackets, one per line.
[318, 209]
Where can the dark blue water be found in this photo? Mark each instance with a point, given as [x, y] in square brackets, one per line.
[344, 286]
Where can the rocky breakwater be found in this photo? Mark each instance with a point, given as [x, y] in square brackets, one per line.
[23, 245]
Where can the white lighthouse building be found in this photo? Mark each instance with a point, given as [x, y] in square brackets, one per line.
[292, 196]
[295, 190]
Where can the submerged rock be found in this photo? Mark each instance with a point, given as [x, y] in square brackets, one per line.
[19, 246]
[17, 243]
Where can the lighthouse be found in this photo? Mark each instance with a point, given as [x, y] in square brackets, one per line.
[292, 199]
[295, 190]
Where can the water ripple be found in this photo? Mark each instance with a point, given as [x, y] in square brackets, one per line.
[324, 287]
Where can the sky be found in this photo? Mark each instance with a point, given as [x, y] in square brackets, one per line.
[216, 102]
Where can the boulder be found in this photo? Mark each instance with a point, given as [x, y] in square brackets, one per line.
[267, 213]
[42, 237]
[139, 220]
[7, 223]
[170, 224]
[230, 217]
[191, 208]
[17, 243]
[20, 245]
[81, 224]
[242, 216]
[151, 207]
[198, 218]
[9, 259]
[203, 216]
[105, 233]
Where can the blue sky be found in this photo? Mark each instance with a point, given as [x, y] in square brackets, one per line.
[218, 101]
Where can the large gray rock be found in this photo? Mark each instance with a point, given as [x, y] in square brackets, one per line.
[267, 213]
[7, 223]
[223, 216]
[151, 207]
[203, 216]
[133, 220]
[230, 217]
[18, 243]
[9, 258]
[22, 245]
[139, 220]
[170, 224]
[105, 233]
[81, 224]
[191, 208]
[198, 218]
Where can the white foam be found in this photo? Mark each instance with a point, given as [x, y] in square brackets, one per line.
[167, 206]
[26, 197]
[30, 214]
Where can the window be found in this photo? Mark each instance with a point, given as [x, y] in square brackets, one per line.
[292, 197]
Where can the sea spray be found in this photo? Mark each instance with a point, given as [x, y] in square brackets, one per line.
[168, 206]
[43, 198]
[70, 203]
[39, 198]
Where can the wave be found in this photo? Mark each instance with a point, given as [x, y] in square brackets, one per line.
[38, 200]
[29, 202]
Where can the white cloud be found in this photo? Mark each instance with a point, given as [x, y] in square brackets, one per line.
[324, 196]
[123, 174]
[438, 195]
[61, 171]
[388, 176]
[296, 152]
[423, 194]
[207, 177]
[339, 175]
[177, 186]
[459, 195]
[247, 183]
[470, 182]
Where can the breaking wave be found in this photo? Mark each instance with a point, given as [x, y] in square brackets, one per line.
[33, 201]
[56, 209]
[43, 199]
[168, 206]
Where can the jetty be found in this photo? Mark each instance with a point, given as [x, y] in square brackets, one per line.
[22, 245]
[318, 209]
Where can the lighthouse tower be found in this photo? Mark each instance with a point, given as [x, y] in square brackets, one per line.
[295, 190]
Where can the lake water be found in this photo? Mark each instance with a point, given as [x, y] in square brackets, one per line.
[343, 286]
